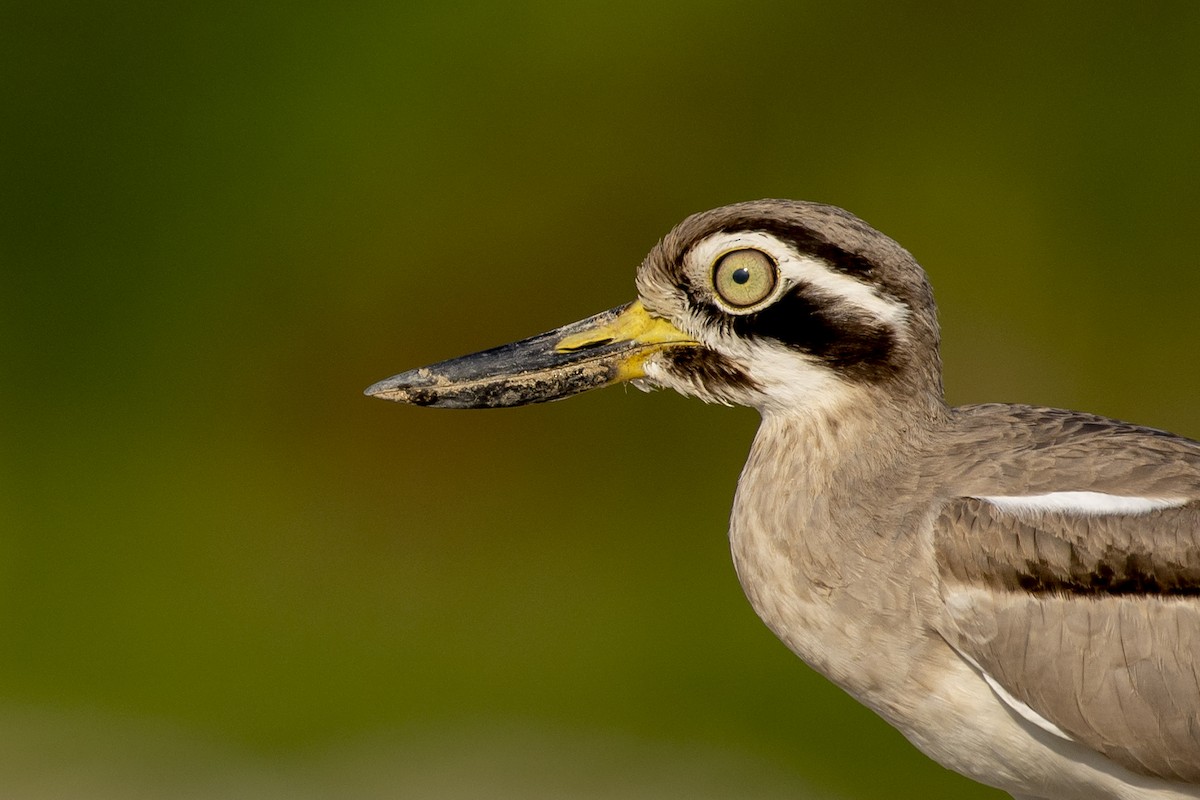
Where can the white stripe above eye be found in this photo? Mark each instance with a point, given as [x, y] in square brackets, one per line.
[796, 268]
[1087, 503]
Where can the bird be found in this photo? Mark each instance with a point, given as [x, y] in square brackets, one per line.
[1015, 588]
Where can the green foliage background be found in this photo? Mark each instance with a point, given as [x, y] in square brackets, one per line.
[225, 573]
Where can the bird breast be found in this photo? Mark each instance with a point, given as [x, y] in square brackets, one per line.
[824, 555]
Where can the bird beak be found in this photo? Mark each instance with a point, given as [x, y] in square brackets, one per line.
[610, 347]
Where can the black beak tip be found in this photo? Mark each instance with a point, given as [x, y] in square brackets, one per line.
[393, 388]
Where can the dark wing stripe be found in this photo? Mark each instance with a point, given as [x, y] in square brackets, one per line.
[1058, 553]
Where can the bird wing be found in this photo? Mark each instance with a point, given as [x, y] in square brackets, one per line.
[1069, 567]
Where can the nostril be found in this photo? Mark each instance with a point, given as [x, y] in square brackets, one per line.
[588, 345]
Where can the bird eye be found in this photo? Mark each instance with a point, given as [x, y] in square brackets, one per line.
[744, 277]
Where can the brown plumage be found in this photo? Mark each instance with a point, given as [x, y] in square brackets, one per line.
[1016, 589]
[1119, 592]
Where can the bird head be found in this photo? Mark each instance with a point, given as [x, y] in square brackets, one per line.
[774, 304]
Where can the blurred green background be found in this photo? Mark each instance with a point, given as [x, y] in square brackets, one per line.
[225, 573]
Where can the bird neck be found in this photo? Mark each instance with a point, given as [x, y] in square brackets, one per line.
[849, 437]
[822, 520]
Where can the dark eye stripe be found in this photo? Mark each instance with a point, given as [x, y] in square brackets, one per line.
[840, 336]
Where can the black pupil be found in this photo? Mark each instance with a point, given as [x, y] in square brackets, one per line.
[740, 275]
